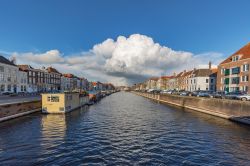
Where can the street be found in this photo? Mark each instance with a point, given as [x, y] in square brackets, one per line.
[14, 99]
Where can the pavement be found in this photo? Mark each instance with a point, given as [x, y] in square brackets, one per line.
[16, 99]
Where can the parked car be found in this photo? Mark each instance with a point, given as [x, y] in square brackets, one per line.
[167, 92]
[219, 94]
[186, 93]
[6, 93]
[195, 93]
[233, 95]
[243, 97]
[204, 94]
[150, 90]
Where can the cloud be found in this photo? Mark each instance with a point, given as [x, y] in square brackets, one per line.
[125, 60]
[49, 57]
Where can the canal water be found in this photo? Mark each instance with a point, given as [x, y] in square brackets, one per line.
[124, 129]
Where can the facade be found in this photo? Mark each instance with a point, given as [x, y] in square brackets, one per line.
[202, 79]
[162, 82]
[54, 79]
[66, 83]
[234, 73]
[8, 76]
[172, 83]
[36, 79]
[22, 81]
[41, 80]
[152, 83]
[70, 82]
[62, 102]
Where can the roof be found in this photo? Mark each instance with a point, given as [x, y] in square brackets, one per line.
[153, 78]
[180, 74]
[25, 67]
[6, 61]
[244, 52]
[166, 77]
[202, 72]
[52, 70]
[69, 75]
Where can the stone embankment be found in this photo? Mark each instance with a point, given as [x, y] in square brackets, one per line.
[234, 110]
[14, 110]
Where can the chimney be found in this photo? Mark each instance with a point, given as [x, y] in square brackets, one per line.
[13, 60]
[174, 73]
[210, 65]
[184, 71]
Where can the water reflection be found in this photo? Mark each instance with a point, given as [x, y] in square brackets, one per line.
[124, 129]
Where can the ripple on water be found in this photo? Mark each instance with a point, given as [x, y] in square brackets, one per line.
[124, 129]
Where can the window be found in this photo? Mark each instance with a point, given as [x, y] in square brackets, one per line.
[236, 70]
[24, 88]
[9, 77]
[222, 71]
[235, 80]
[53, 98]
[245, 67]
[69, 97]
[1, 69]
[1, 77]
[245, 88]
[21, 88]
[226, 81]
[212, 80]
[244, 78]
[206, 80]
[227, 72]
[9, 88]
[235, 58]
[2, 88]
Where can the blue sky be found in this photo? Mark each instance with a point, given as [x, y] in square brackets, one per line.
[75, 26]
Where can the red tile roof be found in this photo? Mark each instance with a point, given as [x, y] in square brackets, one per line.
[244, 52]
[52, 70]
[68, 75]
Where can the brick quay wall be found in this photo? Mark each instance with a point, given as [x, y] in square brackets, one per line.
[14, 110]
[234, 110]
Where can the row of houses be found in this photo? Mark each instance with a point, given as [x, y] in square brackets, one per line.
[231, 75]
[24, 78]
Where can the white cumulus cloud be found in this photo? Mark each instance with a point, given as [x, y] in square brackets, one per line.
[125, 60]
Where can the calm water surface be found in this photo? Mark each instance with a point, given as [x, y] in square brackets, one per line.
[124, 129]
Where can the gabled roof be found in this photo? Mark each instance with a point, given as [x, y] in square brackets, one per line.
[187, 73]
[179, 75]
[244, 52]
[25, 67]
[202, 72]
[166, 77]
[69, 75]
[153, 78]
[6, 61]
[52, 70]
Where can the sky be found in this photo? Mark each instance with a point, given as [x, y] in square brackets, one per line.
[122, 41]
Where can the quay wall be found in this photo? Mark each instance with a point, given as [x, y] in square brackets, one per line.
[234, 110]
[14, 110]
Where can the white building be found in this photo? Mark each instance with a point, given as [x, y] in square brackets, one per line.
[22, 79]
[8, 76]
[202, 79]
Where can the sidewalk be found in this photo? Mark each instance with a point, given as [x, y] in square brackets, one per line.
[15, 99]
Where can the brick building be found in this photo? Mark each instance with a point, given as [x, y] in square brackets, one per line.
[233, 73]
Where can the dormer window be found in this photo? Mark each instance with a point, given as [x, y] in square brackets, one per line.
[235, 58]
